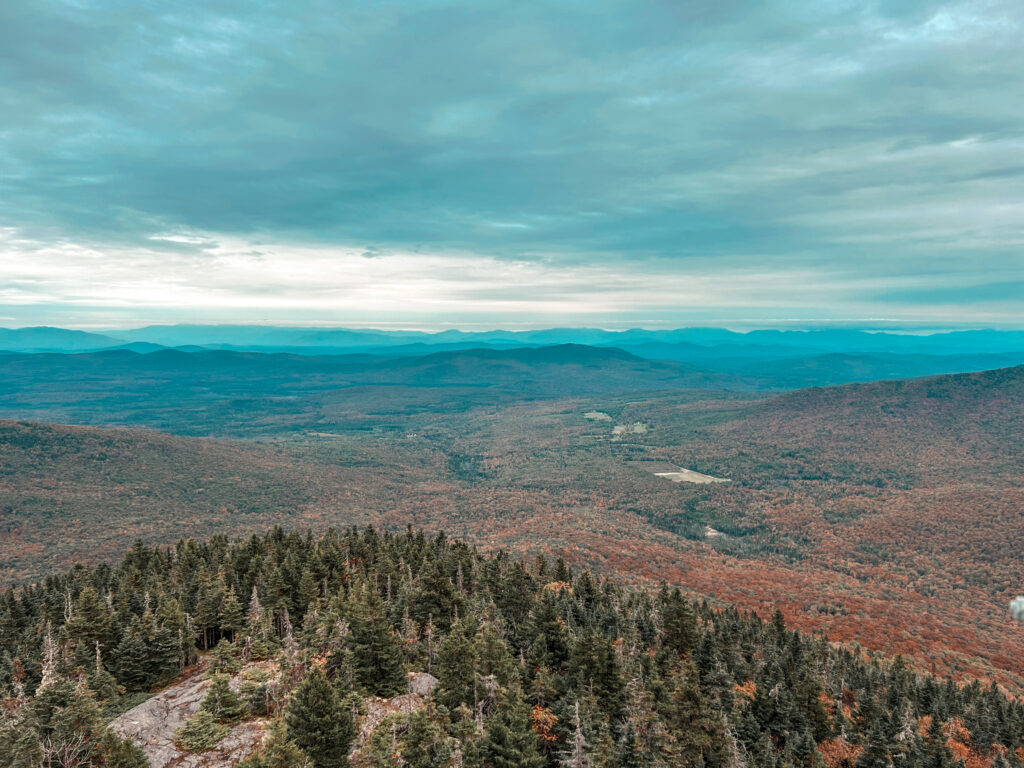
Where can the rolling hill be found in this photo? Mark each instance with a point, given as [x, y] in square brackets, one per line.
[894, 507]
[80, 493]
[47, 339]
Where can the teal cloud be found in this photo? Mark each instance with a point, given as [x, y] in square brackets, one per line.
[863, 139]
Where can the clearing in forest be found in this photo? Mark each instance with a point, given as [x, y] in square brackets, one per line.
[679, 474]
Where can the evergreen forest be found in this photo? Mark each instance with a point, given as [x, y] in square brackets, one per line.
[526, 664]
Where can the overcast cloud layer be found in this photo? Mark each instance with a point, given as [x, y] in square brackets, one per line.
[428, 163]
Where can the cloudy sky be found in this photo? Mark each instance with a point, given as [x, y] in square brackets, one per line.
[426, 163]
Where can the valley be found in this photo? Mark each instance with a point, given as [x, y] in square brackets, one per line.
[882, 513]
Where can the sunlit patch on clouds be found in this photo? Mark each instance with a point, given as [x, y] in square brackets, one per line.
[205, 277]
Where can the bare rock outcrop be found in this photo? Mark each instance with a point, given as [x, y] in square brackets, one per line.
[421, 688]
[153, 723]
[422, 683]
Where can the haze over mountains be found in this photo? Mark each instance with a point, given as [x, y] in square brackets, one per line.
[640, 359]
[331, 339]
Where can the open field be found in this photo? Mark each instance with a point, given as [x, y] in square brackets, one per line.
[689, 476]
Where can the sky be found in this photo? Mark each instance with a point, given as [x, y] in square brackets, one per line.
[432, 164]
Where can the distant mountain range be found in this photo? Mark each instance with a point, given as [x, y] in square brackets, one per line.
[627, 360]
[680, 344]
[56, 373]
[46, 339]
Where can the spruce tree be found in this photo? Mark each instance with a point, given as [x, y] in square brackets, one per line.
[492, 654]
[575, 754]
[698, 737]
[102, 684]
[435, 598]
[116, 752]
[593, 666]
[208, 608]
[425, 744]
[134, 664]
[224, 659]
[230, 617]
[876, 752]
[62, 726]
[201, 732]
[318, 723]
[222, 702]
[255, 692]
[549, 645]
[376, 651]
[629, 752]
[937, 753]
[261, 639]
[511, 741]
[91, 623]
[309, 592]
[679, 623]
[278, 751]
[456, 666]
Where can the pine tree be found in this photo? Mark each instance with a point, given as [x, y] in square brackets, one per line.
[807, 703]
[630, 753]
[173, 644]
[759, 683]
[224, 659]
[876, 752]
[208, 608]
[435, 598]
[318, 723]
[593, 665]
[60, 727]
[63, 723]
[167, 653]
[550, 639]
[492, 653]
[102, 684]
[261, 640]
[255, 692]
[309, 592]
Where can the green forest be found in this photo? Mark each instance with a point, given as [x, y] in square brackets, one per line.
[529, 665]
